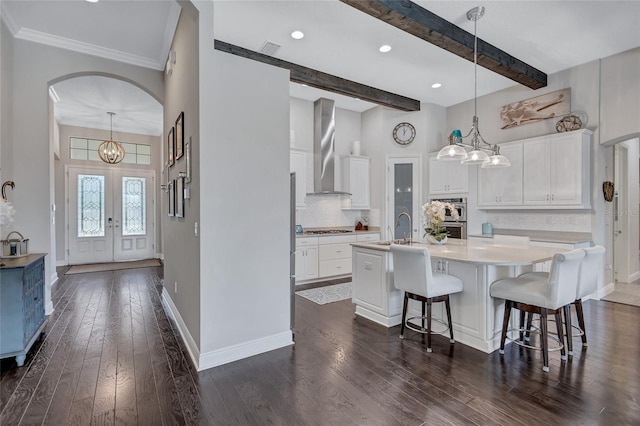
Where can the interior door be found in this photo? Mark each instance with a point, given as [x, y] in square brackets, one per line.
[403, 196]
[110, 216]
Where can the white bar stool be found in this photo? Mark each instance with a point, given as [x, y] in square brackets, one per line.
[535, 293]
[412, 273]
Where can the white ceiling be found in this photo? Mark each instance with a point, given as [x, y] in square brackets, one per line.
[340, 40]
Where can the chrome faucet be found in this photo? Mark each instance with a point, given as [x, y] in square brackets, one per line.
[410, 226]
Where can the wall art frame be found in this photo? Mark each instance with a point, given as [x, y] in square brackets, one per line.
[171, 143]
[180, 197]
[188, 161]
[172, 196]
[180, 136]
[550, 105]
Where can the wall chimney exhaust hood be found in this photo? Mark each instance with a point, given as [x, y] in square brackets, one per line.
[324, 129]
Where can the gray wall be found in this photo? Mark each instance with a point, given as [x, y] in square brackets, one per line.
[6, 99]
[28, 143]
[181, 246]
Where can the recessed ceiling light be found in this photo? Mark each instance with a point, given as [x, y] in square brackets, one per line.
[436, 85]
[385, 48]
[297, 34]
[92, 1]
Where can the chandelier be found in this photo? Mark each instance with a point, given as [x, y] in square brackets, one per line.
[111, 152]
[482, 152]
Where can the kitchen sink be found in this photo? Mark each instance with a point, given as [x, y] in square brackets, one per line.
[388, 242]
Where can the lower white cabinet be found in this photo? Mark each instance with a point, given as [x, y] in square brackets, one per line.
[326, 256]
[306, 258]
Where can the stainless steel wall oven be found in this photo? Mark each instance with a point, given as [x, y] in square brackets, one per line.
[456, 229]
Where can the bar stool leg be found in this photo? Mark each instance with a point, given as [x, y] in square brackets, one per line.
[448, 306]
[543, 339]
[527, 335]
[558, 317]
[404, 314]
[423, 321]
[505, 324]
[580, 313]
[428, 325]
[567, 323]
[521, 326]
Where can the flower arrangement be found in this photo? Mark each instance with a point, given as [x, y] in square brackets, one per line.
[433, 214]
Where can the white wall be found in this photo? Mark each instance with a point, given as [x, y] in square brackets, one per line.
[6, 100]
[65, 132]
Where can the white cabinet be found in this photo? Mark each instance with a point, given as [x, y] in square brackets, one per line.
[356, 179]
[556, 170]
[447, 177]
[334, 256]
[306, 258]
[298, 164]
[502, 186]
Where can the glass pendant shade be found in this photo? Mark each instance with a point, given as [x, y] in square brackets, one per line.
[496, 161]
[476, 157]
[452, 153]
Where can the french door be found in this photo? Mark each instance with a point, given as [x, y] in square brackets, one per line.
[110, 215]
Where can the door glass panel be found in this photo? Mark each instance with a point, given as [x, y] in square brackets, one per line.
[90, 206]
[133, 206]
[403, 199]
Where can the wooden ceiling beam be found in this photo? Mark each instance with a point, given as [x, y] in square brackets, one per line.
[420, 22]
[324, 81]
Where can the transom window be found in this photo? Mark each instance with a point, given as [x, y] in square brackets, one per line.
[87, 149]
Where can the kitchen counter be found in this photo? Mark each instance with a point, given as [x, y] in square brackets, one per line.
[371, 230]
[480, 252]
[542, 236]
[476, 316]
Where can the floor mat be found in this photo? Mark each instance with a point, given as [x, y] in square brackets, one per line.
[114, 266]
[328, 294]
[628, 294]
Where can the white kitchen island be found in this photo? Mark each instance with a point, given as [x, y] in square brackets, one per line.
[476, 316]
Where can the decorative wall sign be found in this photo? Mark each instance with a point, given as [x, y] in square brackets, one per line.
[171, 143]
[554, 104]
[180, 136]
[180, 197]
[172, 198]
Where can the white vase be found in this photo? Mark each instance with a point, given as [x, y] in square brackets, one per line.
[432, 240]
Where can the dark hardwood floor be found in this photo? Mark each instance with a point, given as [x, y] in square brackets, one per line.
[110, 355]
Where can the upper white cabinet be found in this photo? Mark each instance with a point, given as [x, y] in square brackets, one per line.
[356, 179]
[557, 171]
[298, 164]
[502, 187]
[447, 177]
[547, 172]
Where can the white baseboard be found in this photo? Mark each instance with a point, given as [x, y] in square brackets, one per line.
[159, 256]
[633, 277]
[228, 354]
[54, 278]
[192, 347]
[61, 263]
[602, 292]
[48, 309]
[245, 350]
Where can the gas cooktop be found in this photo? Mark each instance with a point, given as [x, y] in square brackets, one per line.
[328, 231]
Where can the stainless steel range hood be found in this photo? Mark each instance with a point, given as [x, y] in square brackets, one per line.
[324, 129]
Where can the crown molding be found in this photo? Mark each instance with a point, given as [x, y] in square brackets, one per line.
[169, 32]
[88, 49]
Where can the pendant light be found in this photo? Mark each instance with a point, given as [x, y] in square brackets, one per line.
[111, 152]
[480, 149]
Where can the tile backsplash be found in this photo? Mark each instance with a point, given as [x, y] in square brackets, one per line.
[543, 221]
[326, 211]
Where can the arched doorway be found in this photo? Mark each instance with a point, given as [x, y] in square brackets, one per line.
[105, 212]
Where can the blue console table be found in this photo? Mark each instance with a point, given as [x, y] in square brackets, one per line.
[22, 317]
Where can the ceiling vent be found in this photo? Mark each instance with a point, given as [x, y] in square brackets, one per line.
[269, 48]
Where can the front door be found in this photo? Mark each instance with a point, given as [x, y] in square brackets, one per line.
[111, 215]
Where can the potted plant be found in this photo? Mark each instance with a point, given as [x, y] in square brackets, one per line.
[433, 214]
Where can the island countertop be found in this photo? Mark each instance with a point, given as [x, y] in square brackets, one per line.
[480, 252]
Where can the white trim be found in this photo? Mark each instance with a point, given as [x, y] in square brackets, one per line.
[245, 350]
[61, 263]
[159, 256]
[172, 310]
[169, 32]
[48, 309]
[634, 276]
[88, 49]
[383, 320]
[608, 289]
[54, 278]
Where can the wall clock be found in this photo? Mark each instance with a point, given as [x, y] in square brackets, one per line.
[404, 133]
